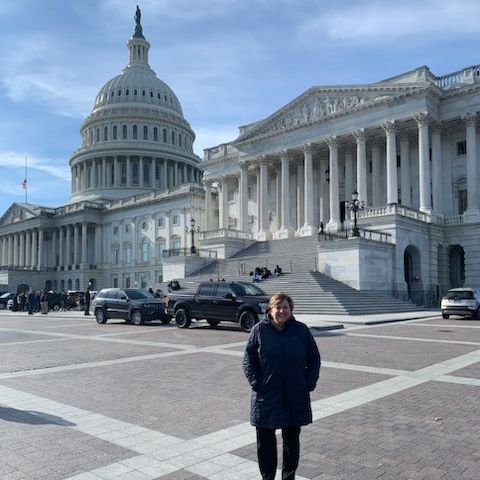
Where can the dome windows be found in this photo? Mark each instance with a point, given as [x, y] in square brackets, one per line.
[164, 135]
[145, 132]
[151, 94]
[114, 133]
[105, 134]
[135, 92]
[127, 92]
[97, 135]
[173, 137]
[135, 132]
[143, 93]
[155, 134]
[119, 92]
[124, 132]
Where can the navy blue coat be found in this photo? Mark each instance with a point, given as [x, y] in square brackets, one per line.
[282, 368]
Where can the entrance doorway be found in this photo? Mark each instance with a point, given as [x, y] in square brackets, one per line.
[411, 269]
[456, 262]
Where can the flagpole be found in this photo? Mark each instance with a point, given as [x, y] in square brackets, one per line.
[26, 180]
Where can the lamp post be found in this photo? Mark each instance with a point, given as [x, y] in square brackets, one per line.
[191, 231]
[354, 206]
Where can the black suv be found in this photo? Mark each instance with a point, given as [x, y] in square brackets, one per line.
[132, 305]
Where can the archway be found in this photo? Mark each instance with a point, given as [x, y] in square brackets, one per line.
[456, 263]
[411, 270]
[48, 285]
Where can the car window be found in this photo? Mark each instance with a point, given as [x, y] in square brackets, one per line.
[460, 295]
[102, 294]
[206, 289]
[246, 290]
[5, 295]
[137, 294]
[223, 289]
[112, 294]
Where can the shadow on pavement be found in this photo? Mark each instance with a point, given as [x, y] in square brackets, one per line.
[32, 417]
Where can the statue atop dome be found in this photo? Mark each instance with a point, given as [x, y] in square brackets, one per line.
[138, 27]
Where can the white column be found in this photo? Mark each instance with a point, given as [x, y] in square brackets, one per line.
[348, 175]
[28, 249]
[21, 259]
[333, 224]
[424, 179]
[263, 223]
[68, 246]
[324, 192]
[61, 251]
[34, 249]
[128, 166]
[116, 174]
[40, 247]
[223, 204]
[10, 250]
[15, 250]
[84, 245]
[151, 166]
[361, 139]
[208, 205]
[54, 248]
[308, 227]
[140, 172]
[175, 173]
[472, 214]
[405, 182]
[243, 197]
[76, 245]
[376, 176]
[299, 197]
[165, 183]
[392, 181]
[286, 230]
[92, 173]
[98, 245]
[437, 177]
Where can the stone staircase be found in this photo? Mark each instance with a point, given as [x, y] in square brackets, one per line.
[311, 291]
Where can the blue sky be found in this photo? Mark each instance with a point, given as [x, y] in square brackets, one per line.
[230, 62]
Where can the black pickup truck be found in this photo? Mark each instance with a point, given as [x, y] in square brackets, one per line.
[217, 302]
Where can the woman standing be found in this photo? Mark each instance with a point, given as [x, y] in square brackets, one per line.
[282, 365]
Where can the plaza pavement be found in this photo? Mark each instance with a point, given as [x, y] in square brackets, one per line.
[87, 402]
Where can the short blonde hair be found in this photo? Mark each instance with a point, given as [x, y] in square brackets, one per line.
[277, 299]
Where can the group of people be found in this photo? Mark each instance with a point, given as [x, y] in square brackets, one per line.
[262, 273]
[157, 293]
[173, 285]
[34, 301]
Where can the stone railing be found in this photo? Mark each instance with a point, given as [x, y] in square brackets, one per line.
[219, 151]
[225, 233]
[401, 210]
[185, 252]
[365, 233]
[453, 220]
[466, 76]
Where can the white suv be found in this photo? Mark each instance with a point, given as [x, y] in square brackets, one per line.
[461, 301]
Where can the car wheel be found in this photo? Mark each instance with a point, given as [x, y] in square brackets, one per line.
[445, 315]
[2, 306]
[100, 316]
[213, 323]
[166, 320]
[476, 314]
[182, 318]
[56, 308]
[247, 320]
[137, 317]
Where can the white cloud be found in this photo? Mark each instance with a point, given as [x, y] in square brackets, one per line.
[386, 22]
[14, 160]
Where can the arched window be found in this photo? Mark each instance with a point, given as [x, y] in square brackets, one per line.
[62, 285]
[127, 91]
[77, 284]
[105, 134]
[145, 132]
[119, 92]
[143, 93]
[135, 132]
[69, 284]
[114, 132]
[135, 92]
[180, 140]
[144, 251]
[155, 134]
[124, 132]
[164, 135]
[91, 136]
[115, 257]
[173, 137]
[135, 173]
[97, 135]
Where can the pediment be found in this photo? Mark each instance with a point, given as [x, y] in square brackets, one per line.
[17, 213]
[320, 104]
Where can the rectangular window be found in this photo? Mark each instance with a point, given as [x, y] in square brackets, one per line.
[176, 220]
[251, 191]
[231, 196]
[462, 148]
[115, 282]
[370, 167]
[399, 162]
[161, 222]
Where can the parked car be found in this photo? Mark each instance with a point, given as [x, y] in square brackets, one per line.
[461, 301]
[4, 299]
[219, 301]
[132, 305]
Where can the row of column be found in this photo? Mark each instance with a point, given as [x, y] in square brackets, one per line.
[107, 172]
[428, 172]
[25, 250]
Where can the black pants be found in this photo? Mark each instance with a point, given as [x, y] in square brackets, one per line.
[267, 452]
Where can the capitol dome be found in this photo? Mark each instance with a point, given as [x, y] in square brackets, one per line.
[135, 139]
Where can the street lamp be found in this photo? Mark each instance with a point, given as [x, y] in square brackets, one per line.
[192, 231]
[354, 207]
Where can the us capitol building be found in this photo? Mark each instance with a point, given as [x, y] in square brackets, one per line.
[135, 186]
[408, 146]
